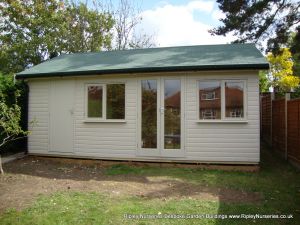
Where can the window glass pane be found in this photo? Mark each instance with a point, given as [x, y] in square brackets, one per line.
[115, 101]
[149, 114]
[95, 94]
[172, 114]
[234, 99]
[209, 100]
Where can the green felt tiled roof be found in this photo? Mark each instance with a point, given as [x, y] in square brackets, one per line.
[184, 58]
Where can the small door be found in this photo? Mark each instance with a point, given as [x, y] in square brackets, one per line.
[61, 116]
[161, 117]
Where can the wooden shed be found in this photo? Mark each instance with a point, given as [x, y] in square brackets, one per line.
[181, 104]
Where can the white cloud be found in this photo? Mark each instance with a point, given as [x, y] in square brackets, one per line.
[175, 25]
[217, 15]
[200, 5]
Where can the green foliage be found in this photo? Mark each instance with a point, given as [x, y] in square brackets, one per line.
[295, 50]
[32, 31]
[87, 29]
[9, 121]
[10, 111]
[259, 21]
[281, 69]
[264, 83]
[296, 93]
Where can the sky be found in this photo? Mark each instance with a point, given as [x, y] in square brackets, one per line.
[180, 22]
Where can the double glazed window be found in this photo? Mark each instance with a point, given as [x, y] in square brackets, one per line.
[221, 100]
[106, 101]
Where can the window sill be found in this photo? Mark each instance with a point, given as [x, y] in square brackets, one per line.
[222, 121]
[104, 121]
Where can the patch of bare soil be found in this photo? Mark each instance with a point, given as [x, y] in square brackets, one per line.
[29, 177]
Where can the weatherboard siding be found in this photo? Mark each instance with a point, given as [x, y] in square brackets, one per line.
[223, 141]
[106, 139]
[203, 142]
[38, 117]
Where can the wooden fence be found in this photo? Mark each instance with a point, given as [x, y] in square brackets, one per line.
[280, 126]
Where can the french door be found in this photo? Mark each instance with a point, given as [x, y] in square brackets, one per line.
[161, 117]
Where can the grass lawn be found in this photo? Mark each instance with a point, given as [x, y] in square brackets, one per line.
[277, 185]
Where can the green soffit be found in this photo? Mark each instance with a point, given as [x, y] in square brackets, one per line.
[183, 58]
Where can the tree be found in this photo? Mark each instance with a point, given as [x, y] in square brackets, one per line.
[10, 115]
[87, 29]
[281, 71]
[127, 18]
[32, 31]
[264, 83]
[260, 21]
[295, 50]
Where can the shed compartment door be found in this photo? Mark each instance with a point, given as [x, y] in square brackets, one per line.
[61, 116]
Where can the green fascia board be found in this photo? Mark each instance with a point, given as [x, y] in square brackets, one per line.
[170, 59]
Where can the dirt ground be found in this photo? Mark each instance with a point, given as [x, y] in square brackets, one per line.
[27, 178]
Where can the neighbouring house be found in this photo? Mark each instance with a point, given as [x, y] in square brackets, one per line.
[181, 104]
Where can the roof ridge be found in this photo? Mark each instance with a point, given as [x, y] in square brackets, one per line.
[155, 48]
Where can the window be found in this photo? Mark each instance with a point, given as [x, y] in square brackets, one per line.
[95, 99]
[106, 101]
[115, 103]
[210, 102]
[234, 100]
[221, 100]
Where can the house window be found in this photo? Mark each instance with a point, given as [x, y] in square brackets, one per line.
[209, 101]
[220, 100]
[208, 96]
[106, 101]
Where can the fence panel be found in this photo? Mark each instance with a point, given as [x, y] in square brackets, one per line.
[278, 125]
[266, 118]
[293, 129]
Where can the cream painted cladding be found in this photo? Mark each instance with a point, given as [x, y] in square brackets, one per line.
[223, 142]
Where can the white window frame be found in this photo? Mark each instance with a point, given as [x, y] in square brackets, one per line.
[223, 105]
[104, 101]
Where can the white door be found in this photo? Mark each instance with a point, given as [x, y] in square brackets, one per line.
[61, 116]
[161, 117]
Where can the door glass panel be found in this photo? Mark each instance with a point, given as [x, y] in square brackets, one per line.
[172, 93]
[149, 114]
